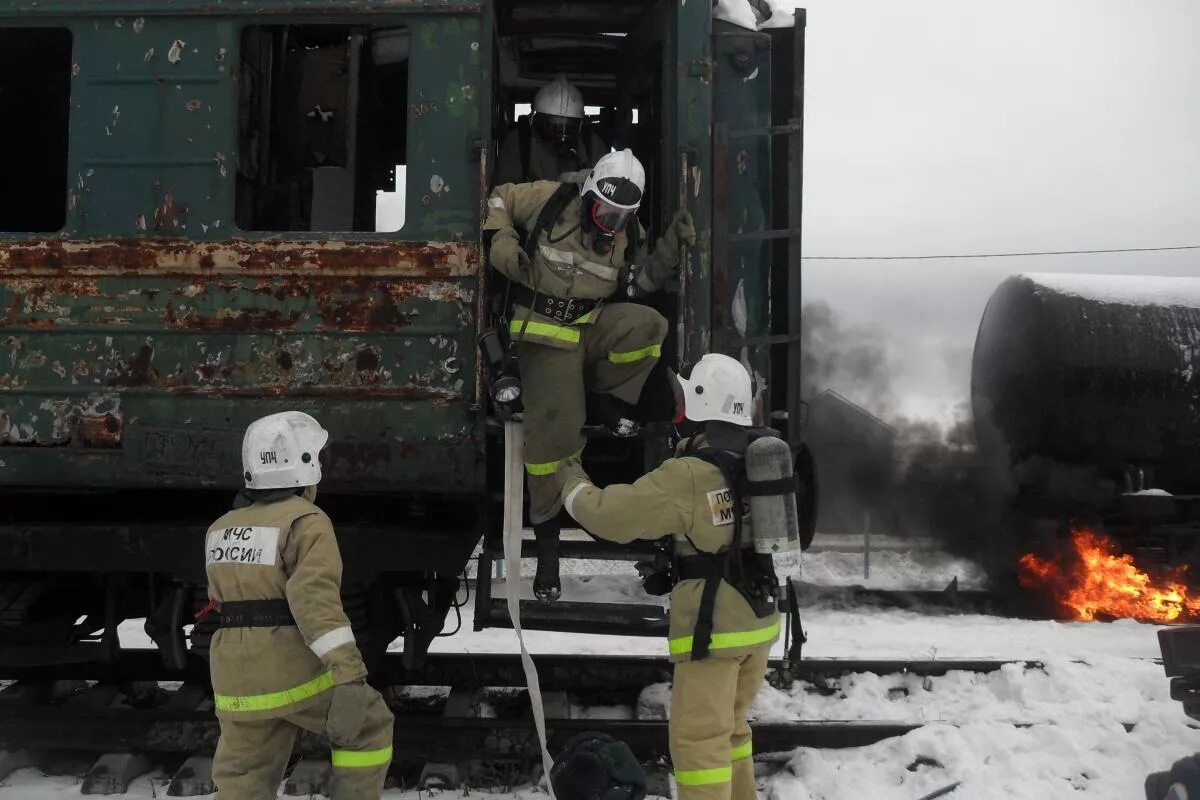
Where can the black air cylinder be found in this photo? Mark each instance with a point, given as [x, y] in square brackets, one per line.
[1095, 371]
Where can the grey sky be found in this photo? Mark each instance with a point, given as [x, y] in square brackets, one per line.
[957, 126]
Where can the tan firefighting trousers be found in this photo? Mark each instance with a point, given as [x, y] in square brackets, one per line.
[253, 754]
[614, 356]
[711, 745]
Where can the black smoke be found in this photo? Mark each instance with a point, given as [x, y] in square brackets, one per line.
[916, 477]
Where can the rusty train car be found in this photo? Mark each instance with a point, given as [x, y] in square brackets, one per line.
[216, 210]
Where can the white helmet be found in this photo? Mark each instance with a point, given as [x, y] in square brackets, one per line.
[719, 389]
[614, 189]
[558, 111]
[280, 451]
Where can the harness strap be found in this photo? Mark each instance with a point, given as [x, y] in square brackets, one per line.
[789, 485]
[702, 637]
[256, 614]
[551, 211]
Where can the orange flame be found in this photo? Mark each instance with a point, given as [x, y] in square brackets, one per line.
[1097, 580]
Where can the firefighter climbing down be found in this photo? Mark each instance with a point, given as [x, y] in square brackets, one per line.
[582, 243]
[723, 617]
[555, 139]
[285, 658]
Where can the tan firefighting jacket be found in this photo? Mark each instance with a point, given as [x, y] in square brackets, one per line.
[279, 550]
[563, 264]
[545, 162]
[687, 499]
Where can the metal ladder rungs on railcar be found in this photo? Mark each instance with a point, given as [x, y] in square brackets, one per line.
[625, 619]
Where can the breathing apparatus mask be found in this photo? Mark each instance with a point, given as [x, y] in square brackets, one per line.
[602, 221]
[611, 196]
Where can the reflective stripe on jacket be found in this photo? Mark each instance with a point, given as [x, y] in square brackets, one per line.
[269, 551]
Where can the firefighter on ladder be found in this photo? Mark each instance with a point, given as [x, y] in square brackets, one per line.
[284, 658]
[723, 617]
[581, 244]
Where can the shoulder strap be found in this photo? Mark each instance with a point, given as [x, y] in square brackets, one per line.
[549, 215]
[729, 464]
[525, 140]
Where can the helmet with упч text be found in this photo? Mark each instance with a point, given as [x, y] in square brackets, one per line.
[719, 389]
[613, 191]
[558, 111]
[282, 451]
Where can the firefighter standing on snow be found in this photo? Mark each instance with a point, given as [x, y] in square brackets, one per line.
[723, 617]
[581, 243]
[284, 658]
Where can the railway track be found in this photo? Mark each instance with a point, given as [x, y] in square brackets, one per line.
[460, 719]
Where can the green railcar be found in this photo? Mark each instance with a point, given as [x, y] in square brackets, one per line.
[217, 210]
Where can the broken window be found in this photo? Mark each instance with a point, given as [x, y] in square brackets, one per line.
[322, 122]
[35, 104]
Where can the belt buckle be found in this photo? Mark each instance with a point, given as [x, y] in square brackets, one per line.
[569, 313]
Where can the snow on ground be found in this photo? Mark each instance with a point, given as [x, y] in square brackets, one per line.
[1095, 679]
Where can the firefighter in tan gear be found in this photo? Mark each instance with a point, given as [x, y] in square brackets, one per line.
[552, 141]
[582, 243]
[284, 658]
[723, 617]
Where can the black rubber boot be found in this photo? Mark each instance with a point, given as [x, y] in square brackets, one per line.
[546, 585]
[618, 416]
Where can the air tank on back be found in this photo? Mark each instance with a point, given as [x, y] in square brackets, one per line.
[1088, 385]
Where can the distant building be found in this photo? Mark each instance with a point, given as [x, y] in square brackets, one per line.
[855, 454]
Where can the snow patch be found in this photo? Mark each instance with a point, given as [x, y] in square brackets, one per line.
[744, 15]
[1134, 290]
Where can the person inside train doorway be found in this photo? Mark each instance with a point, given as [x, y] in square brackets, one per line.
[284, 658]
[581, 244]
[553, 140]
[723, 616]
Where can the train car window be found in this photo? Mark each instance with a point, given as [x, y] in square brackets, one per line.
[35, 98]
[322, 128]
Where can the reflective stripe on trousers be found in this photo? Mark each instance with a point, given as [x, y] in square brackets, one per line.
[361, 758]
[549, 330]
[273, 700]
[705, 777]
[725, 641]
[632, 356]
[548, 467]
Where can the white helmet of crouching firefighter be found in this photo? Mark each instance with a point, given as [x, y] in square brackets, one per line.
[719, 389]
[282, 451]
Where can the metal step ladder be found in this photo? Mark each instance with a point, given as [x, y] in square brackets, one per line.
[491, 611]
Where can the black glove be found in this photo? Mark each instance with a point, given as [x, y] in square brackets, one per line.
[595, 766]
[657, 577]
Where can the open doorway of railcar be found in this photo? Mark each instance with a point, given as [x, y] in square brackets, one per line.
[612, 52]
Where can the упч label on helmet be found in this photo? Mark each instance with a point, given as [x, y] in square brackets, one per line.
[242, 545]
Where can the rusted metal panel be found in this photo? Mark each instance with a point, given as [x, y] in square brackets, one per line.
[277, 256]
[170, 371]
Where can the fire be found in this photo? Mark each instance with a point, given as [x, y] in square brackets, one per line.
[1097, 580]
